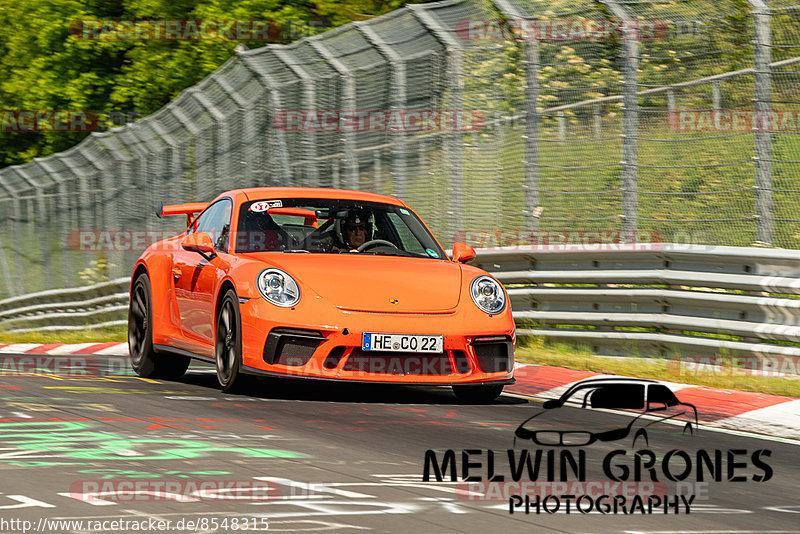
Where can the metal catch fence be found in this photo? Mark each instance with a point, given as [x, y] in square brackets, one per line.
[501, 121]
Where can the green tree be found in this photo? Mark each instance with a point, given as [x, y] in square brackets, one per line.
[43, 66]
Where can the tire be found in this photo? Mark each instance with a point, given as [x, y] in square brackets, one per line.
[145, 361]
[228, 343]
[477, 394]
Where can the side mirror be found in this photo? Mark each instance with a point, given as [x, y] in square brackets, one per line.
[198, 242]
[550, 404]
[462, 252]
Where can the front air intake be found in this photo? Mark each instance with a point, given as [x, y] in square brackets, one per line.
[397, 363]
[495, 354]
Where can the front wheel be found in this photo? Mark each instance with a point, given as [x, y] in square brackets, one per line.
[228, 346]
[477, 394]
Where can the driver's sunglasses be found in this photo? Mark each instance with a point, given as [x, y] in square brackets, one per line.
[356, 228]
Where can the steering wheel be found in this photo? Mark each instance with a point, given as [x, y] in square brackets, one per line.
[374, 243]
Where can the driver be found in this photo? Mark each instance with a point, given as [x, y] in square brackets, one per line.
[356, 229]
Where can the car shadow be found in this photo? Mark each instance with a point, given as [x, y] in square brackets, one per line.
[308, 389]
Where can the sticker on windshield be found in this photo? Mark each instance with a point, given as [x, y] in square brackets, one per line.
[404, 211]
[432, 253]
[264, 205]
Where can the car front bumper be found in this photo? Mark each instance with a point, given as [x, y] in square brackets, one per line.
[478, 349]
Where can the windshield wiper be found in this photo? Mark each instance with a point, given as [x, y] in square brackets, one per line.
[298, 250]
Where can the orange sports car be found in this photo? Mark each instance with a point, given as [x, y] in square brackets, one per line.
[318, 283]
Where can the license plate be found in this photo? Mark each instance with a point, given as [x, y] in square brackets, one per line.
[402, 342]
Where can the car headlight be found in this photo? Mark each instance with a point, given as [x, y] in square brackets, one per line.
[278, 287]
[487, 294]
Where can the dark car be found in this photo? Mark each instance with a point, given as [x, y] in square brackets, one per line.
[647, 406]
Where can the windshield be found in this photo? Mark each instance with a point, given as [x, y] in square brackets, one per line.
[332, 226]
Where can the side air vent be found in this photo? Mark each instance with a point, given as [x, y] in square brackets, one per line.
[291, 346]
[494, 353]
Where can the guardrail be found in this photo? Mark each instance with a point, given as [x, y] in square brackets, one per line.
[644, 299]
[651, 299]
[99, 305]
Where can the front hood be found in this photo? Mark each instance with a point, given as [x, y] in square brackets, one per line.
[374, 283]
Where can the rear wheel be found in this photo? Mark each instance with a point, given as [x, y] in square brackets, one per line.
[228, 345]
[144, 359]
[477, 394]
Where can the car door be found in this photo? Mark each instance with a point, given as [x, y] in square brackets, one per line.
[671, 417]
[196, 274]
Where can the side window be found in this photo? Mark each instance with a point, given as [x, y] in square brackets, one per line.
[216, 222]
[619, 397]
[658, 395]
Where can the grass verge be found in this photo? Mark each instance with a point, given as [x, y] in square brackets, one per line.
[725, 378]
[96, 335]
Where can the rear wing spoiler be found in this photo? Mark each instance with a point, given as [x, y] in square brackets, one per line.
[189, 209]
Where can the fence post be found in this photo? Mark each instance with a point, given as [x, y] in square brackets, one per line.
[310, 177]
[454, 143]
[248, 124]
[399, 99]
[348, 102]
[763, 86]
[15, 231]
[222, 137]
[63, 215]
[39, 223]
[276, 103]
[598, 121]
[532, 199]
[630, 120]
[6, 270]
[531, 62]
[123, 179]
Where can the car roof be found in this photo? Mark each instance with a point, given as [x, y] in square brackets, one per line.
[266, 193]
[607, 380]
[617, 379]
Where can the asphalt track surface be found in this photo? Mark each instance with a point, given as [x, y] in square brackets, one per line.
[307, 456]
